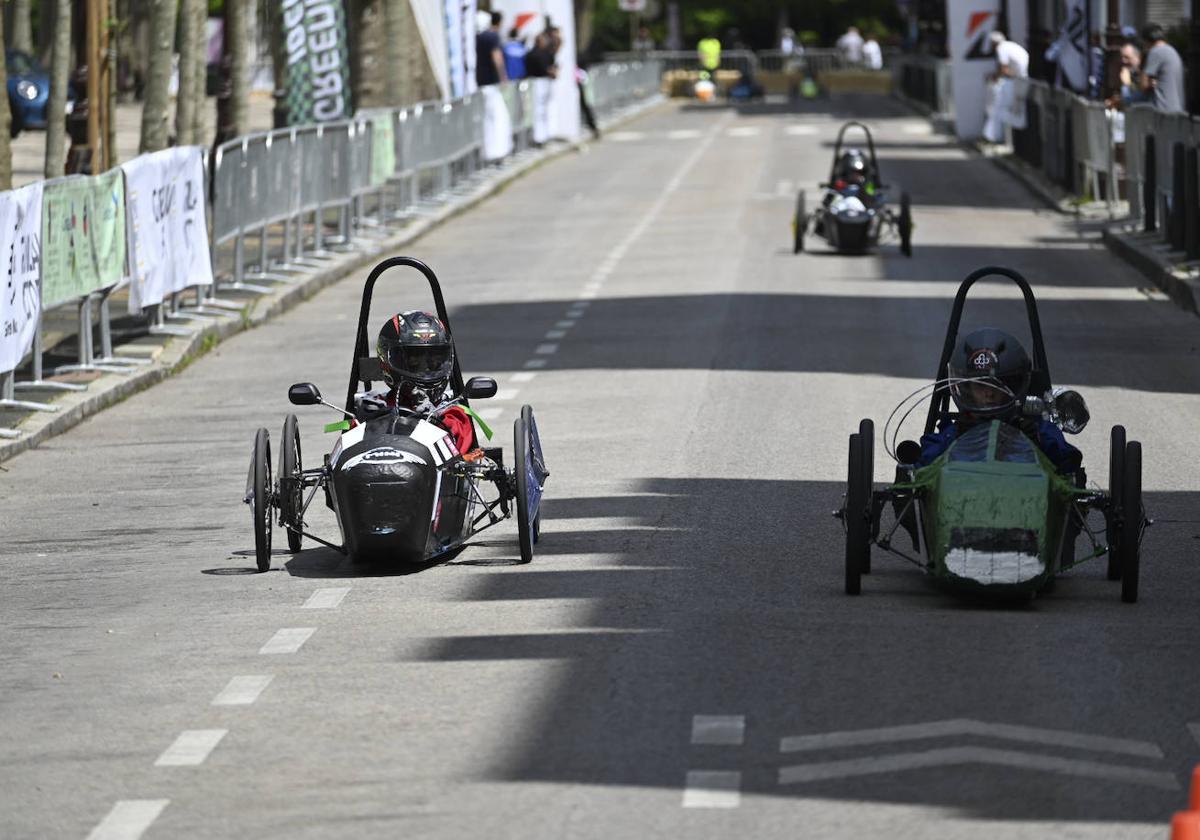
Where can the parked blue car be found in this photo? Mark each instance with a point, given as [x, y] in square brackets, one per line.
[28, 91]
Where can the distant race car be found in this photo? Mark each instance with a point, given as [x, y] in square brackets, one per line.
[992, 514]
[853, 214]
[401, 491]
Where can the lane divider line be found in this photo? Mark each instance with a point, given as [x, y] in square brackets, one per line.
[724, 730]
[242, 691]
[712, 789]
[191, 747]
[505, 394]
[565, 324]
[554, 335]
[546, 349]
[128, 819]
[533, 364]
[490, 413]
[287, 640]
[326, 599]
[524, 376]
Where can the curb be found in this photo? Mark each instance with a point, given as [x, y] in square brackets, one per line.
[177, 353]
[1148, 254]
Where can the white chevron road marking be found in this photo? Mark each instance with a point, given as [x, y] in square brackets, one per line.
[946, 728]
[951, 756]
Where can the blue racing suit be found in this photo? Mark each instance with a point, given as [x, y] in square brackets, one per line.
[1049, 438]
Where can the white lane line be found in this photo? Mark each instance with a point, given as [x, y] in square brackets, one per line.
[326, 599]
[191, 747]
[800, 130]
[683, 134]
[546, 349]
[729, 730]
[946, 728]
[575, 313]
[242, 691]
[625, 136]
[507, 394]
[785, 187]
[588, 294]
[712, 789]
[287, 640]
[556, 334]
[744, 131]
[580, 304]
[535, 363]
[566, 324]
[872, 765]
[128, 819]
[524, 376]
[490, 413]
[918, 129]
[1194, 728]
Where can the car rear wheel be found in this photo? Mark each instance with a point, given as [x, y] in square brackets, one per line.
[799, 223]
[1132, 522]
[866, 431]
[906, 225]
[260, 503]
[1116, 472]
[854, 516]
[291, 490]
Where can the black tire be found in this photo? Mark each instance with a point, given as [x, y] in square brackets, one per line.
[905, 225]
[866, 431]
[525, 528]
[799, 223]
[291, 494]
[855, 520]
[1131, 528]
[263, 513]
[1116, 472]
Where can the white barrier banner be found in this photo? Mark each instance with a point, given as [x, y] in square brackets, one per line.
[21, 248]
[970, 22]
[560, 96]
[168, 233]
[497, 125]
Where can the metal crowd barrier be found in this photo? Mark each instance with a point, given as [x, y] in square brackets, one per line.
[745, 61]
[925, 80]
[1161, 162]
[617, 85]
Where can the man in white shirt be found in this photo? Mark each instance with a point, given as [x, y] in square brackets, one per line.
[872, 54]
[851, 45]
[1012, 62]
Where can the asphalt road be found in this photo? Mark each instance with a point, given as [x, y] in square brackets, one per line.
[694, 415]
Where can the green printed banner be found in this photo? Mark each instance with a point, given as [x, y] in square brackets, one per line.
[383, 149]
[83, 236]
[318, 60]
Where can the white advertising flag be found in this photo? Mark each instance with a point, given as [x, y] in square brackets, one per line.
[971, 60]
[166, 224]
[561, 99]
[21, 249]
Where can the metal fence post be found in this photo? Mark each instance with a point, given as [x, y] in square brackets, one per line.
[1191, 213]
[1175, 219]
[1150, 187]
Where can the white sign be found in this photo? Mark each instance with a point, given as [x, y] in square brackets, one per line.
[166, 224]
[21, 256]
[632, 5]
[561, 99]
[972, 59]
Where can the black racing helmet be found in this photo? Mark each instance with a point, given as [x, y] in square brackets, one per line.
[989, 373]
[414, 347]
[853, 167]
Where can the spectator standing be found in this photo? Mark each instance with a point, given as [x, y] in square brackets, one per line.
[1162, 74]
[787, 42]
[872, 54]
[644, 42]
[489, 56]
[540, 66]
[851, 45]
[1012, 62]
[514, 56]
[709, 53]
[1131, 92]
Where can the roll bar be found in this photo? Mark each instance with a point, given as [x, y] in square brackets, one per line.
[837, 150]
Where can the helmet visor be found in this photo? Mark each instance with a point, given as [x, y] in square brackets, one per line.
[983, 395]
[423, 363]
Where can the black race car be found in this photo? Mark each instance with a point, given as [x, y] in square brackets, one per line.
[853, 213]
[401, 491]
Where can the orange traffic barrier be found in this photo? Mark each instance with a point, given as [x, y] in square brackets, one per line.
[1194, 799]
[1185, 825]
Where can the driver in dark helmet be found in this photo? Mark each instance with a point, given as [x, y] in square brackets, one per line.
[989, 377]
[416, 357]
[854, 170]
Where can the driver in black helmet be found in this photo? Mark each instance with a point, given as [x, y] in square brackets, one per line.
[854, 170]
[416, 358]
[989, 377]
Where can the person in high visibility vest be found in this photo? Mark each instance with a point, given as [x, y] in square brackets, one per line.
[709, 50]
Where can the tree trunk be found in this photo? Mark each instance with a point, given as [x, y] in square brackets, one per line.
[199, 122]
[5, 124]
[185, 96]
[109, 93]
[237, 30]
[56, 108]
[22, 31]
[155, 126]
[395, 92]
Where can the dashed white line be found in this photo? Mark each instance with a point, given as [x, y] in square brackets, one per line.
[580, 304]
[507, 394]
[625, 136]
[575, 313]
[287, 640]
[546, 349]
[556, 334]
[566, 324]
[918, 129]
[534, 364]
[525, 376]
[712, 789]
[242, 691]
[588, 294]
[128, 819]
[326, 599]
[800, 130]
[191, 747]
[683, 134]
[729, 730]
[490, 413]
[744, 131]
